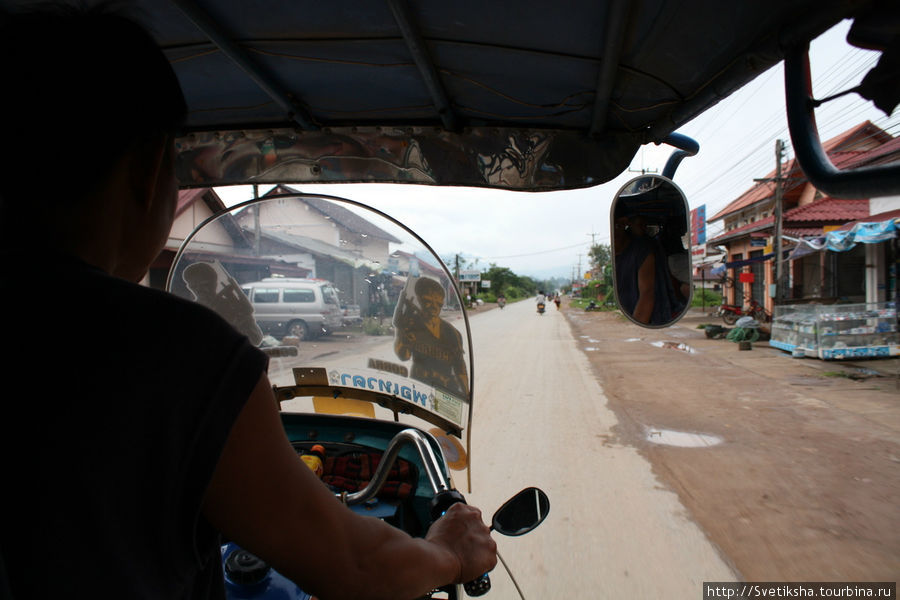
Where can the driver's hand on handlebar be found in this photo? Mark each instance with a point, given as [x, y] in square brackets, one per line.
[462, 531]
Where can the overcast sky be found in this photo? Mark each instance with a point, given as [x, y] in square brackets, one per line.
[549, 234]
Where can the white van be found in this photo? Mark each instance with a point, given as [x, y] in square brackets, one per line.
[305, 308]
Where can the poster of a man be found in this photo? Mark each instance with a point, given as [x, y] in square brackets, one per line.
[433, 344]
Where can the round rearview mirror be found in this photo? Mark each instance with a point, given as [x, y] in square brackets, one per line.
[521, 513]
[650, 222]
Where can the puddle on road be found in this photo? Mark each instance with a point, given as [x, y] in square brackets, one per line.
[591, 349]
[867, 372]
[674, 346]
[682, 439]
[633, 340]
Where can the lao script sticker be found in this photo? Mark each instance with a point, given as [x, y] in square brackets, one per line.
[432, 399]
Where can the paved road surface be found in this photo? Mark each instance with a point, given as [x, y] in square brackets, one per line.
[541, 419]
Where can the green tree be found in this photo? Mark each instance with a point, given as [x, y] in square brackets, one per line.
[600, 256]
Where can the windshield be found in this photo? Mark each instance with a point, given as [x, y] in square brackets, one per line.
[280, 269]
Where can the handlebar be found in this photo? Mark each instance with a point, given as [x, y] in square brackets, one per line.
[430, 462]
[444, 496]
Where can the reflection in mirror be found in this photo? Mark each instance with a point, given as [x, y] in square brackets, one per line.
[522, 513]
[651, 246]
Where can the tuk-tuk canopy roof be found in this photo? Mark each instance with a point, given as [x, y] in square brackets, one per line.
[527, 95]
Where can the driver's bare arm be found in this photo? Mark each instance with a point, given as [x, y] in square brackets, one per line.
[643, 309]
[264, 498]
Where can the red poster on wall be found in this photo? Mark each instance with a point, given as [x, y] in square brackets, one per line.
[745, 277]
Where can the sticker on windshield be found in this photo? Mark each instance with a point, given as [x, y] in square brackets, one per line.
[433, 345]
[212, 286]
[433, 400]
[447, 406]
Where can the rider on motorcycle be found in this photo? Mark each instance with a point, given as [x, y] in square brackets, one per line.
[541, 300]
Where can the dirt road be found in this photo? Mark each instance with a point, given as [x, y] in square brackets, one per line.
[540, 418]
[801, 477]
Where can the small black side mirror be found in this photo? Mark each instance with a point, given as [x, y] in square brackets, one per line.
[521, 513]
[652, 273]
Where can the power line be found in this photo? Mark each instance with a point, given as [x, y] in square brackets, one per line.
[531, 253]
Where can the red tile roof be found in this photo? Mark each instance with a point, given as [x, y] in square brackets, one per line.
[853, 137]
[828, 209]
[805, 220]
[743, 230]
[844, 151]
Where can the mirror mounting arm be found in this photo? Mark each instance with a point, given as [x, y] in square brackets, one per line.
[686, 147]
[861, 182]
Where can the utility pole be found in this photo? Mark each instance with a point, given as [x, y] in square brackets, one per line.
[779, 259]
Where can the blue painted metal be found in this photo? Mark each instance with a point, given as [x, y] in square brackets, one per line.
[272, 586]
[861, 182]
[686, 147]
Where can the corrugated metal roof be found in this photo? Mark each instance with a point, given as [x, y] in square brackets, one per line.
[340, 215]
[303, 244]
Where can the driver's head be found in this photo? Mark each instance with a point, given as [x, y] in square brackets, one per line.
[82, 88]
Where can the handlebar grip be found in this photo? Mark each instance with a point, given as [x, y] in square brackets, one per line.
[478, 587]
[439, 505]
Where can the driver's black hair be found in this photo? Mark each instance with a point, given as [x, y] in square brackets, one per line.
[82, 86]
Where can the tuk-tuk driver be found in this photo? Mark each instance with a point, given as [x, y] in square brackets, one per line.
[146, 426]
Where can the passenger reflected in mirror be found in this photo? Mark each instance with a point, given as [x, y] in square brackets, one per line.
[651, 236]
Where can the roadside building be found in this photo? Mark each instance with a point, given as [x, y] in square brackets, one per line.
[812, 272]
[326, 241]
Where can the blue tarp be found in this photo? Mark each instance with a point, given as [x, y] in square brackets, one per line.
[867, 233]
[841, 241]
[836, 241]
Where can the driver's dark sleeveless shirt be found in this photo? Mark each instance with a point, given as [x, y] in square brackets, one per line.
[118, 400]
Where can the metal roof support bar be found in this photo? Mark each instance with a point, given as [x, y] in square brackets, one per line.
[419, 51]
[612, 50]
[862, 182]
[211, 29]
